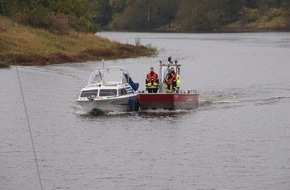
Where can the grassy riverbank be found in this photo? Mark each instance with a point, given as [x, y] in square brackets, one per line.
[24, 45]
[255, 20]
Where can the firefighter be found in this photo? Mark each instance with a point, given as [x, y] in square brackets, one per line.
[172, 81]
[152, 81]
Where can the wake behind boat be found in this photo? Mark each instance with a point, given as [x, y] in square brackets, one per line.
[110, 89]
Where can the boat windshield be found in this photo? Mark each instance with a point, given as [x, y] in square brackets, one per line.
[89, 93]
[109, 74]
[108, 92]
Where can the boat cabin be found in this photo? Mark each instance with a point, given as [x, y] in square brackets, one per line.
[107, 83]
[109, 89]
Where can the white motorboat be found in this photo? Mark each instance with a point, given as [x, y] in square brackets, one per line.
[110, 89]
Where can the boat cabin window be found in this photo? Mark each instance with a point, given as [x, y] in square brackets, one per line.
[89, 93]
[108, 92]
[122, 92]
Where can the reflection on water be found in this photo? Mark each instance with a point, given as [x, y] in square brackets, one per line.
[238, 138]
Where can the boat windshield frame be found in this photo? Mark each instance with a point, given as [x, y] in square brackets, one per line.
[111, 74]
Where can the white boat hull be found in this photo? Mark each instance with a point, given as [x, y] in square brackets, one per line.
[116, 104]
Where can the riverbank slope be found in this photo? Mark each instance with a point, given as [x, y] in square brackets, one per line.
[25, 45]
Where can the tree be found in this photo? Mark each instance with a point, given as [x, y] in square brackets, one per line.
[165, 11]
[103, 13]
[134, 17]
[81, 13]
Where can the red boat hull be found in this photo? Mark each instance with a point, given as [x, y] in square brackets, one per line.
[174, 101]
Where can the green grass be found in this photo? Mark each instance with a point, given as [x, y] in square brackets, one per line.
[24, 45]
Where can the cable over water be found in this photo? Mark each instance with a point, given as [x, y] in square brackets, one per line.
[29, 129]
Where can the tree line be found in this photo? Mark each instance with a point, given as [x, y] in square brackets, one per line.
[194, 15]
[56, 15]
[145, 15]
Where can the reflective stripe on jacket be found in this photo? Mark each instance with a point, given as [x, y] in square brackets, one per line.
[178, 81]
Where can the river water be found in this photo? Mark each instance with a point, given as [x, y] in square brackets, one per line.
[239, 137]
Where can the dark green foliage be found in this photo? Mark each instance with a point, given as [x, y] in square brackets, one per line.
[37, 17]
[183, 15]
[103, 13]
[60, 14]
[142, 14]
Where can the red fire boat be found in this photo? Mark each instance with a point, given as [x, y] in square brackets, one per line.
[181, 100]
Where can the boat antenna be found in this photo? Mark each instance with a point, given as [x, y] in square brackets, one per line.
[103, 71]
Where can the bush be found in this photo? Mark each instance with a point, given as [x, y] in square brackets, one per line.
[59, 23]
[38, 17]
[249, 14]
[42, 17]
[274, 12]
[56, 23]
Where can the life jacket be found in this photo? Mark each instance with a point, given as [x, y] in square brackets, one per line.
[170, 79]
[172, 83]
[169, 83]
[152, 80]
[174, 75]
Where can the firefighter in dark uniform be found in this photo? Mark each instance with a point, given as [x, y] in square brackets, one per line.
[172, 81]
[152, 81]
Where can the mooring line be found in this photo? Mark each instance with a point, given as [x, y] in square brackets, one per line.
[29, 129]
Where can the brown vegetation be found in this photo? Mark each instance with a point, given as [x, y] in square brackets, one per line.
[29, 46]
[123, 51]
[268, 19]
